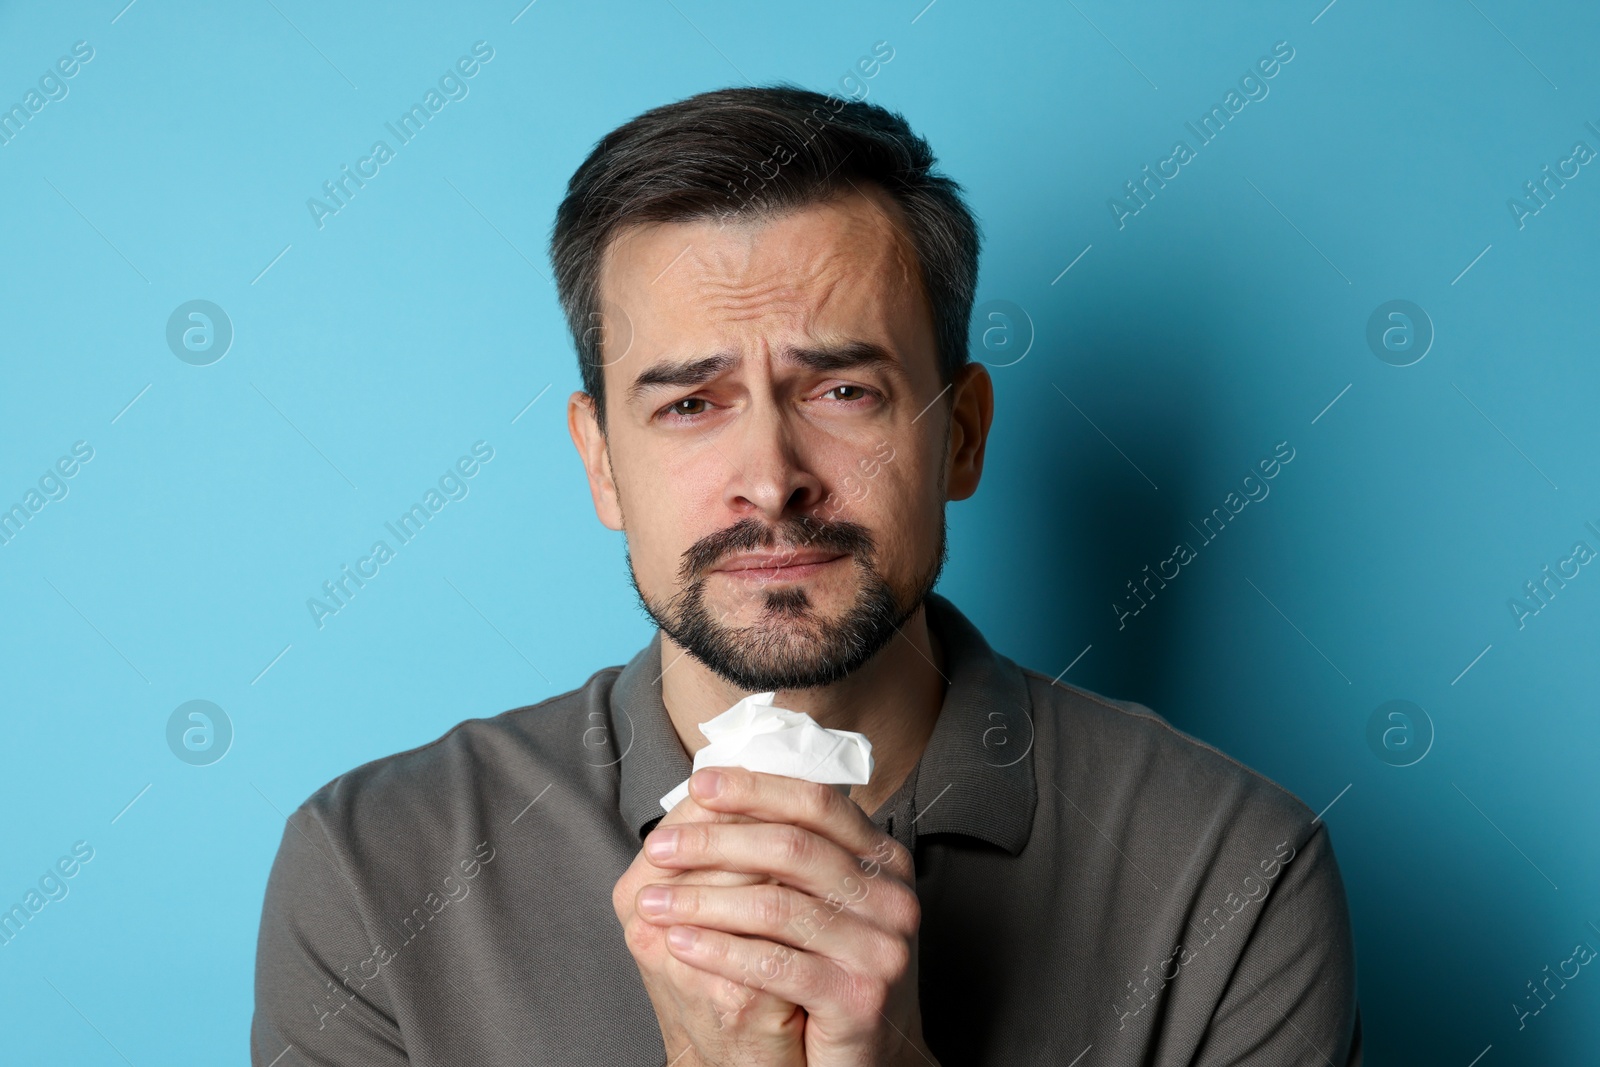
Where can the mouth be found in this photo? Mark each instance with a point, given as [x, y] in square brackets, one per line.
[779, 567]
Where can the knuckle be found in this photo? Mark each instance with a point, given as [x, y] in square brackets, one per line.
[810, 984]
[816, 799]
[711, 947]
[770, 906]
[699, 840]
[807, 923]
[894, 954]
[685, 899]
[622, 896]
[730, 1000]
[640, 938]
[905, 913]
[892, 856]
[684, 845]
[794, 846]
[864, 1000]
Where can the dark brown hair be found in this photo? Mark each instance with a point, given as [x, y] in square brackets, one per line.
[753, 151]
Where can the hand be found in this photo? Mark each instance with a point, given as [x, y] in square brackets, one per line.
[719, 1019]
[835, 934]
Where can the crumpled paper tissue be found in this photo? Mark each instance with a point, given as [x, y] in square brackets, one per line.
[757, 736]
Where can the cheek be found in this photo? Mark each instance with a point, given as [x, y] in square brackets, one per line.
[667, 504]
[900, 478]
[898, 505]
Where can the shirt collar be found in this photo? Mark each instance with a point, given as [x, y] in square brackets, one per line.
[975, 776]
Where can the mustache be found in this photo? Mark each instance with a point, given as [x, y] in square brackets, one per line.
[800, 531]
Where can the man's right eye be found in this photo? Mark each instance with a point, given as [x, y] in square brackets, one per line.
[674, 411]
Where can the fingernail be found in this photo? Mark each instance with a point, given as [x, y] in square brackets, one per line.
[661, 843]
[682, 937]
[710, 783]
[654, 899]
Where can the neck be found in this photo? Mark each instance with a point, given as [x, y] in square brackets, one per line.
[894, 699]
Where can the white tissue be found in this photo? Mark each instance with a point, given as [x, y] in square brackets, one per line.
[759, 737]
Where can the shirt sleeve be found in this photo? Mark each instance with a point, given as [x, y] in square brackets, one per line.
[1291, 999]
[318, 983]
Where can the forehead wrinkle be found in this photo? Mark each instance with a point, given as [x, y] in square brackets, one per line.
[797, 290]
[740, 296]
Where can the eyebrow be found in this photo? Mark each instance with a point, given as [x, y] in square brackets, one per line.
[848, 355]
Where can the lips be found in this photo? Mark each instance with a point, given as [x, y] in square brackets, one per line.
[778, 561]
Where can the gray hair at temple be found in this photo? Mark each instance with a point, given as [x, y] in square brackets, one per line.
[751, 152]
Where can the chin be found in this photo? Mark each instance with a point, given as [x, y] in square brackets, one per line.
[782, 608]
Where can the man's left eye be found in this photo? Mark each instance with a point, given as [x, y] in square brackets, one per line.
[861, 389]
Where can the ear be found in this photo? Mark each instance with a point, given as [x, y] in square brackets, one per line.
[595, 452]
[971, 412]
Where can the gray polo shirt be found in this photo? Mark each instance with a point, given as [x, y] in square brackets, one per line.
[1097, 889]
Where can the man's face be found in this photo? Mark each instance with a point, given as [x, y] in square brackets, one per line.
[775, 453]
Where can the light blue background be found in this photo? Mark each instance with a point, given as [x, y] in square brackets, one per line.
[1223, 318]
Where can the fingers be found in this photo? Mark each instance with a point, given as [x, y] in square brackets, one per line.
[717, 999]
[795, 857]
[829, 927]
[777, 798]
[778, 914]
[758, 968]
[715, 1014]
[689, 809]
[641, 872]
[792, 855]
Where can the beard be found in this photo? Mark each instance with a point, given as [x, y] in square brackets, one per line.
[793, 646]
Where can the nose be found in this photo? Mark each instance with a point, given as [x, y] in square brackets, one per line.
[769, 475]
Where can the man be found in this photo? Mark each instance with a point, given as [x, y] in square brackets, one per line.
[769, 290]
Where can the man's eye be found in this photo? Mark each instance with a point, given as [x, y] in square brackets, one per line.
[684, 411]
[676, 407]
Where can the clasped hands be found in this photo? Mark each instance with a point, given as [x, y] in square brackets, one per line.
[775, 925]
